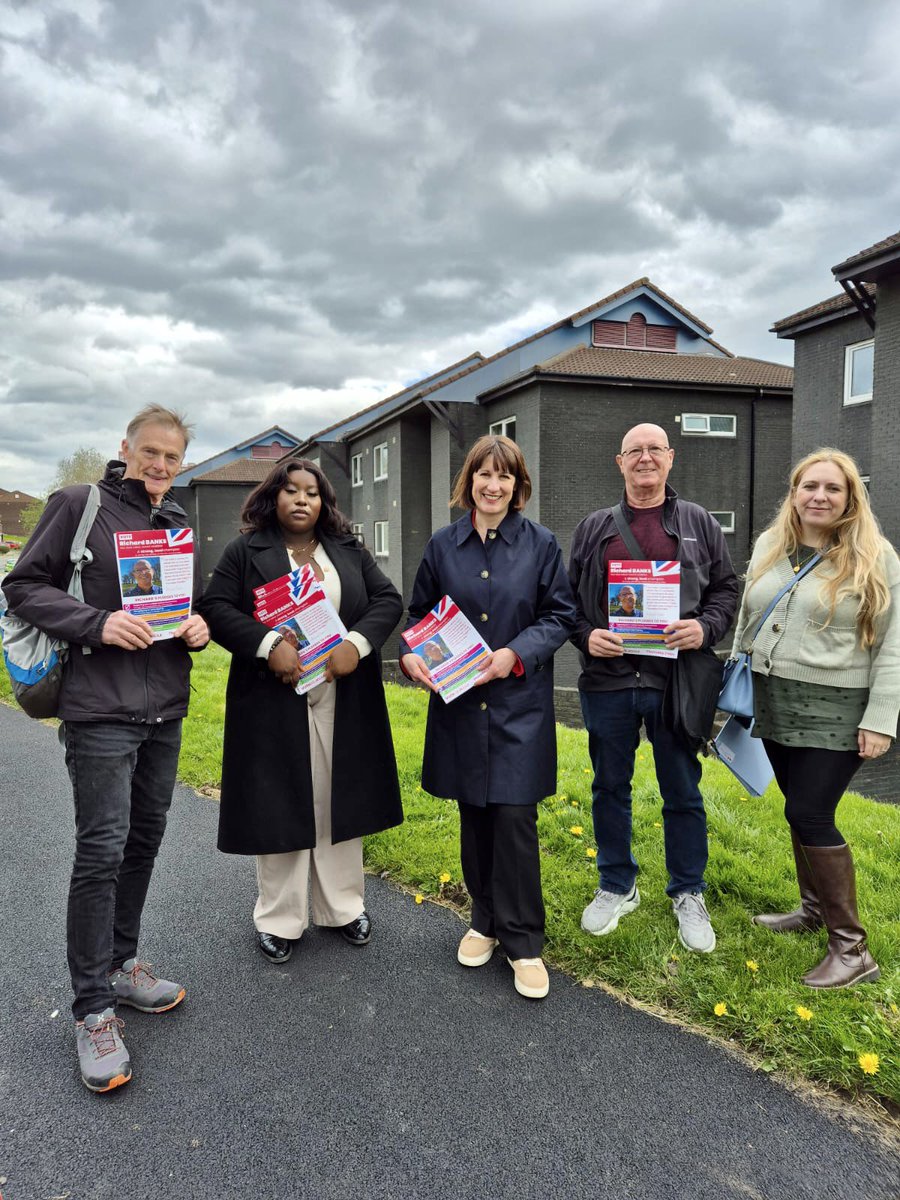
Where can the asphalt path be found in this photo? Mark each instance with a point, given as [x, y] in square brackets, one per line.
[387, 1071]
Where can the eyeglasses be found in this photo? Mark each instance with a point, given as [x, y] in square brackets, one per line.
[637, 452]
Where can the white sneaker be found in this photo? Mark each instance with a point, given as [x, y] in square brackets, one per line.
[695, 930]
[602, 914]
[476, 949]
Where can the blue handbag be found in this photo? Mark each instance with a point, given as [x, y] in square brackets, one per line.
[744, 755]
[736, 696]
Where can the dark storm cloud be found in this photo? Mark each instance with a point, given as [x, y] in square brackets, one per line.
[243, 208]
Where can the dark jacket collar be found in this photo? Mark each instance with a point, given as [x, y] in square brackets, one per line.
[670, 495]
[508, 528]
[132, 491]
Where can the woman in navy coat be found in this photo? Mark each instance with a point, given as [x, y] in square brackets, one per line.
[493, 749]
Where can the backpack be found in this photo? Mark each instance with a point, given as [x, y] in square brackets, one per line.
[34, 659]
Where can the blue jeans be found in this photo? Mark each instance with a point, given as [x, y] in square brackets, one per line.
[123, 776]
[613, 721]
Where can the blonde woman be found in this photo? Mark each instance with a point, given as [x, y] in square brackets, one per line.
[826, 686]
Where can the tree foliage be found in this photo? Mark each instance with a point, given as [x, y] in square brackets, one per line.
[84, 465]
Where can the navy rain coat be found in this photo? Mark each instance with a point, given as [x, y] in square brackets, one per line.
[496, 744]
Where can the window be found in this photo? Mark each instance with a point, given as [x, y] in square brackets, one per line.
[358, 532]
[859, 371]
[381, 539]
[725, 519]
[381, 461]
[356, 471]
[709, 424]
[504, 428]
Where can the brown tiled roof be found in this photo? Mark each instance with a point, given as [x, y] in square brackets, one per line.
[246, 442]
[16, 495]
[242, 470]
[624, 291]
[653, 367]
[888, 243]
[833, 304]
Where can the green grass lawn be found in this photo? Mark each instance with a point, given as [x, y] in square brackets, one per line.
[754, 974]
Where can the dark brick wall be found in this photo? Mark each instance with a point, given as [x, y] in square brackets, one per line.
[771, 460]
[885, 411]
[413, 520]
[820, 417]
[218, 519]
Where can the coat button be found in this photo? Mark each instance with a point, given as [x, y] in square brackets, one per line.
[483, 706]
[492, 533]
[484, 616]
[776, 628]
[485, 574]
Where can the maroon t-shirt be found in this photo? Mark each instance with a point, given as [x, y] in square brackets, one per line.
[647, 530]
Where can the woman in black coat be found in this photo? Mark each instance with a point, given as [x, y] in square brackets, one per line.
[303, 777]
[493, 749]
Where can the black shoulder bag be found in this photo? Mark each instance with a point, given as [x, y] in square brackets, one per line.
[695, 679]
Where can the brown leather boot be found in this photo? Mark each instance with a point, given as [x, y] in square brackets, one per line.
[847, 960]
[809, 915]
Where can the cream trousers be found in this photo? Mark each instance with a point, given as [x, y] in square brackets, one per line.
[333, 874]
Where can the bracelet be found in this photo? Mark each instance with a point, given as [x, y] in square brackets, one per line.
[277, 642]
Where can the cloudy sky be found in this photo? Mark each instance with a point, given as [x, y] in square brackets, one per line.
[276, 212]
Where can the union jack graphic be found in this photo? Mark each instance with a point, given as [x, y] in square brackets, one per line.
[662, 567]
[179, 537]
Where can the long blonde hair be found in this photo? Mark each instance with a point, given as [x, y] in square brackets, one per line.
[855, 550]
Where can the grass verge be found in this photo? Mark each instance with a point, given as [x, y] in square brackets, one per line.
[747, 992]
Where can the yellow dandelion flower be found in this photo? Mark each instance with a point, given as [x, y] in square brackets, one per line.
[657, 824]
[894, 1009]
[752, 965]
[805, 1014]
[444, 877]
[721, 1009]
[574, 803]
[869, 1064]
[586, 771]
[564, 797]
[576, 829]
[419, 897]
[590, 852]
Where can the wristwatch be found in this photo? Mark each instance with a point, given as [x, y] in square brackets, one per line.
[277, 642]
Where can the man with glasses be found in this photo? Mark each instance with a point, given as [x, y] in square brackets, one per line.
[142, 572]
[621, 692]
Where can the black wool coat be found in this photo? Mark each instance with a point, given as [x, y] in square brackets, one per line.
[267, 801]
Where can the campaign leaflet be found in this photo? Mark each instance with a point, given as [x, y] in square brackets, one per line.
[644, 597]
[295, 605]
[450, 647]
[156, 577]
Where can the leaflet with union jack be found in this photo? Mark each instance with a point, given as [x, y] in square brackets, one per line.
[156, 577]
[644, 597]
[296, 606]
[450, 647]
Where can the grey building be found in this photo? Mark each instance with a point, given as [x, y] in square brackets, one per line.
[567, 394]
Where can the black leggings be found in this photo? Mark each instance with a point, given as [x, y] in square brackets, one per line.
[813, 781]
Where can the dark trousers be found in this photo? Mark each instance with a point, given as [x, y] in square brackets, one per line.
[613, 721]
[812, 781]
[122, 782]
[502, 869]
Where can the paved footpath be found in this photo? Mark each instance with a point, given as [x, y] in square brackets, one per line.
[386, 1072]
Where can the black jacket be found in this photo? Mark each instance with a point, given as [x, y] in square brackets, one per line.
[709, 589]
[267, 796]
[107, 683]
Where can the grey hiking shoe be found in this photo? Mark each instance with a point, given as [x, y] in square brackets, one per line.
[695, 930]
[137, 986]
[102, 1057]
[602, 914]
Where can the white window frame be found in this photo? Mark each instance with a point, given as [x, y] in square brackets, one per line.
[359, 532]
[719, 513]
[380, 462]
[707, 432]
[499, 428]
[849, 352]
[382, 539]
[356, 471]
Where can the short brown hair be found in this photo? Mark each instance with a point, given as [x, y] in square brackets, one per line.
[506, 456]
[155, 414]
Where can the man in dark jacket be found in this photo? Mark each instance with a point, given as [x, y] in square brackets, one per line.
[122, 701]
[620, 692]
